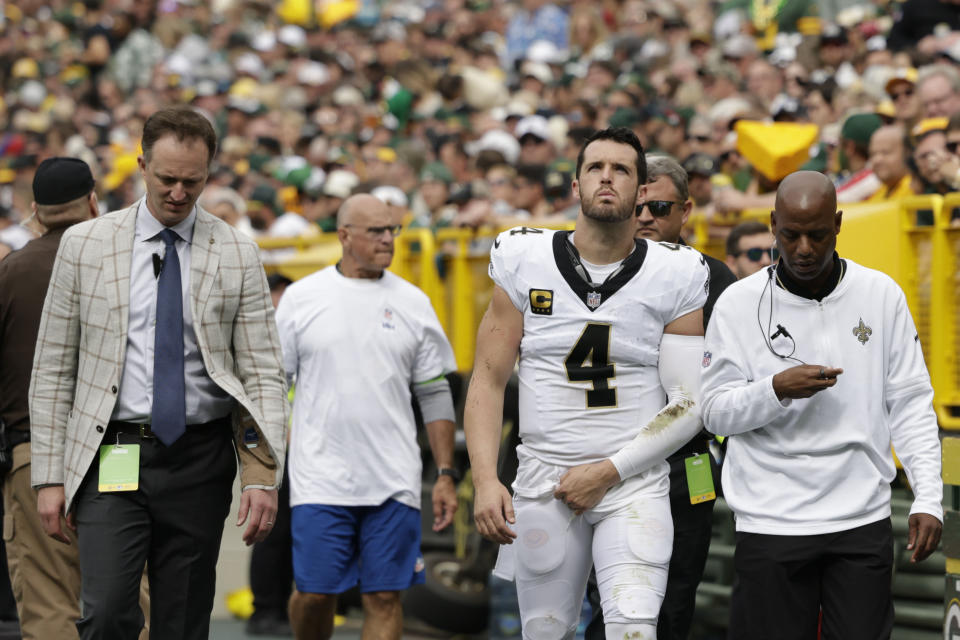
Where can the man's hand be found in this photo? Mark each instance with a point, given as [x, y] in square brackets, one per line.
[261, 506]
[583, 486]
[444, 502]
[50, 505]
[492, 510]
[804, 380]
[924, 536]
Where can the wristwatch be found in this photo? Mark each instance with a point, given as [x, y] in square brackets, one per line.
[449, 471]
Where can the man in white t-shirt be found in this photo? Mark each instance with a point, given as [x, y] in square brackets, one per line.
[605, 327]
[357, 338]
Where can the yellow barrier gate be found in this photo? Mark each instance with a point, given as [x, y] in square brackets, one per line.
[944, 364]
[911, 240]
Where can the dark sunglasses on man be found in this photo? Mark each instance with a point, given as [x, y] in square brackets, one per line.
[658, 208]
[756, 254]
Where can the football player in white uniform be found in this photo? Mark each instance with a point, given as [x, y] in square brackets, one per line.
[605, 327]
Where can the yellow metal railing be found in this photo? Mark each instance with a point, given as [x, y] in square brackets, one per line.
[911, 240]
[945, 361]
[916, 275]
[710, 233]
[466, 254]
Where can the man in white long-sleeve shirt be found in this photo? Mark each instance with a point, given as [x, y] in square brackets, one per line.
[813, 368]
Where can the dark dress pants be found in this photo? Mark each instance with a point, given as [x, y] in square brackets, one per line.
[8, 605]
[271, 562]
[782, 582]
[173, 523]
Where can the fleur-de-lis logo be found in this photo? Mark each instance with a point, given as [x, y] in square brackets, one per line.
[863, 332]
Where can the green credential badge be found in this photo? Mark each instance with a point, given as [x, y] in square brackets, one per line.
[119, 467]
[700, 479]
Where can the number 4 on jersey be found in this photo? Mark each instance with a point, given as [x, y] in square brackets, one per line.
[593, 345]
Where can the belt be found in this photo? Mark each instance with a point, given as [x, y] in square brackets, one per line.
[144, 430]
[132, 428]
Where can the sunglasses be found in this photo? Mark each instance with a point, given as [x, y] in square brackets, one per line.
[900, 94]
[658, 208]
[756, 254]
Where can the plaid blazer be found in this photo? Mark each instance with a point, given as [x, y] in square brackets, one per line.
[82, 342]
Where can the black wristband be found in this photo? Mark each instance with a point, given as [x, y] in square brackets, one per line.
[449, 471]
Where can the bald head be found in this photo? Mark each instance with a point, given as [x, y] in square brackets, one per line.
[365, 228]
[888, 155]
[806, 190]
[805, 223]
[358, 208]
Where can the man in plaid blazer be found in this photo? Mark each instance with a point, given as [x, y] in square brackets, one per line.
[102, 377]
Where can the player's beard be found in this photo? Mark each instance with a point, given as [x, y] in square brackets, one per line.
[607, 212]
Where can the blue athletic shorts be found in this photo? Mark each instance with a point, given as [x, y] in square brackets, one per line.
[334, 547]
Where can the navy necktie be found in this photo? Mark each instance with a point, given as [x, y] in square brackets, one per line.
[169, 415]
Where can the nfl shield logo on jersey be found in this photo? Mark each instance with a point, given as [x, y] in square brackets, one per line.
[707, 357]
[593, 299]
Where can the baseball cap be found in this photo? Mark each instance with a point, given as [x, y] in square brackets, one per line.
[535, 126]
[700, 164]
[545, 51]
[908, 75]
[860, 127]
[886, 110]
[928, 125]
[264, 41]
[539, 70]
[436, 171]
[833, 34]
[266, 195]
[59, 180]
[388, 194]
[340, 183]
[499, 141]
[292, 36]
[556, 184]
[784, 107]
[738, 46]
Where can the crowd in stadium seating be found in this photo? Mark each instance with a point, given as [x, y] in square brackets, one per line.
[466, 113]
[469, 112]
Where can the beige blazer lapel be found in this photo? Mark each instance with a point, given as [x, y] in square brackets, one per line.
[204, 261]
[116, 267]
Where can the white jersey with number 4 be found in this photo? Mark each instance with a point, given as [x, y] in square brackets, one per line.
[589, 376]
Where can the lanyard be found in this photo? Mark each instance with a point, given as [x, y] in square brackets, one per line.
[581, 270]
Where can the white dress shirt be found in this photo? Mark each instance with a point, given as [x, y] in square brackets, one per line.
[205, 401]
